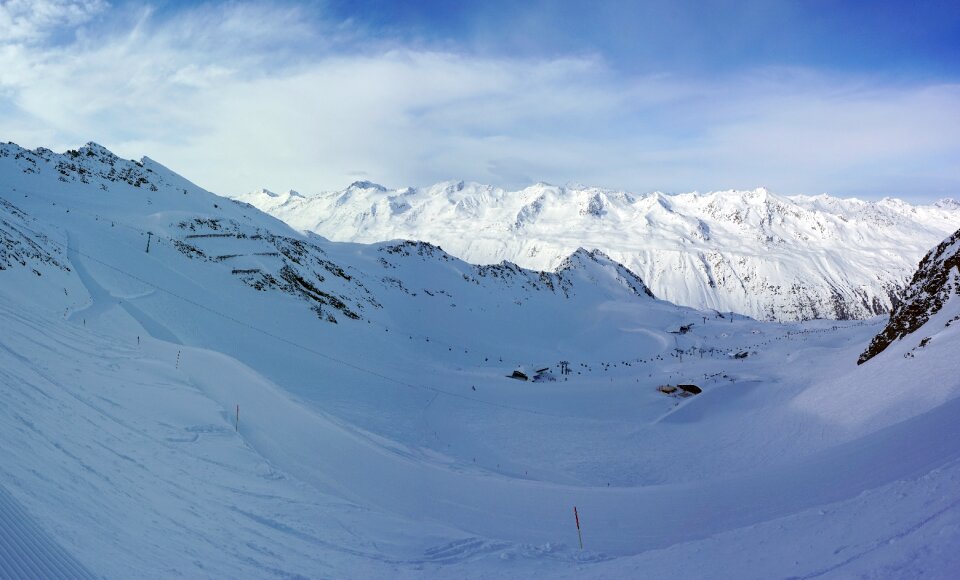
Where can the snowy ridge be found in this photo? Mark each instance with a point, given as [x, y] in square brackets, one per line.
[587, 264]
[935, 282]
[188, 411]
[753, 252]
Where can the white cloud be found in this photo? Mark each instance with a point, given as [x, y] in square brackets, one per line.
[247, 96]
[32, 20]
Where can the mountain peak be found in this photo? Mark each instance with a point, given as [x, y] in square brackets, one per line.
[579, 255]
[92, 149]
[364, 184]
[947, 203]
[597, 266]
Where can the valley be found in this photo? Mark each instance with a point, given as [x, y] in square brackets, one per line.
[247, 400]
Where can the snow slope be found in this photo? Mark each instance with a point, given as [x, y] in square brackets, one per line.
[753, 252]
[27, 550]
[937, 279]
[378, 434]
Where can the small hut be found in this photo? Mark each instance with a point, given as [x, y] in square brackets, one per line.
[690, 389]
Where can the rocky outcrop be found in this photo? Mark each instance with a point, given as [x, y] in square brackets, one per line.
[935, 280]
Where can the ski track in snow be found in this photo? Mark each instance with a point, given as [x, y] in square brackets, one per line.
[879, 544]
[102, 299]
[27, 551]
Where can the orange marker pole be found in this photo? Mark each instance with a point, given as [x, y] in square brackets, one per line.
[576, 517]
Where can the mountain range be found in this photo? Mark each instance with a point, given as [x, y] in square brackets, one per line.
[757, 253]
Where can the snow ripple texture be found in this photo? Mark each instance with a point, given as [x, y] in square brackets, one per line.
[26, 551]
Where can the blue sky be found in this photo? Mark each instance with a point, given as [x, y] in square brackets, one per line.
[849, 98]
[701, 36]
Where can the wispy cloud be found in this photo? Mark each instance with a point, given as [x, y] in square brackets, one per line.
[35, 20]
[239, 96]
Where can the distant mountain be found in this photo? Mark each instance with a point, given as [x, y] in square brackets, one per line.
[752, 252]
[935, 283]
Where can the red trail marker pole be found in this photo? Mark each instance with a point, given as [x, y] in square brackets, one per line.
[576, 517]
[237, 427]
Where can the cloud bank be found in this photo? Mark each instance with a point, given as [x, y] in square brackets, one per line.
[238, 96]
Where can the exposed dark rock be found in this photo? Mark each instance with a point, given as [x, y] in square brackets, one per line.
[929, 289]
[20, 245]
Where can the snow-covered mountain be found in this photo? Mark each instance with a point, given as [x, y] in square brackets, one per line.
[753, 252]
[378, 429]
[935, 285]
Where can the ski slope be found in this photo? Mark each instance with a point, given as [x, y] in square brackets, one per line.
[393, 444]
